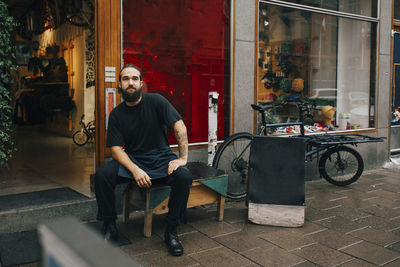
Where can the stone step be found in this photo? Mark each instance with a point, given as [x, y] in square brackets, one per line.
[29, 217]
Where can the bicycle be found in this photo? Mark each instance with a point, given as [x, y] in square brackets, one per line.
[80, 14]
[339, 164]
[86, 133]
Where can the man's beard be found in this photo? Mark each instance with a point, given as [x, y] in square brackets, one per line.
[131, 97]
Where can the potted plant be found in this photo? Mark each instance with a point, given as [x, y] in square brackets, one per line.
[7, 54]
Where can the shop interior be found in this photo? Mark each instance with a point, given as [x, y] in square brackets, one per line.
[53, 91]
[304, 56]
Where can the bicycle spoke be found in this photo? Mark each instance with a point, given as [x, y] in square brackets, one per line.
[235, 162]
[342, 169]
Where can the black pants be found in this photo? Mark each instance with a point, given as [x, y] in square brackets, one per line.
[106, 179]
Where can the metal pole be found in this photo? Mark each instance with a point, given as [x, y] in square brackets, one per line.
[212, 125]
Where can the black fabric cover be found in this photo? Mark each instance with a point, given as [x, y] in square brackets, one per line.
[277, 169]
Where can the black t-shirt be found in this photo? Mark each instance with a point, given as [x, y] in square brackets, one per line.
[143, 127]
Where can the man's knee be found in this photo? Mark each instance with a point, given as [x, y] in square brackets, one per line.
[184, 176]
[105, 172]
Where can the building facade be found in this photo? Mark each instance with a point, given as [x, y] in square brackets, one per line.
[331, 53]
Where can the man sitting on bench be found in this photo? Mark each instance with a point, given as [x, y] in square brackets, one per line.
[140, 150]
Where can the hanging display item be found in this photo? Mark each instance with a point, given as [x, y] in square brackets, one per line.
[298, 85]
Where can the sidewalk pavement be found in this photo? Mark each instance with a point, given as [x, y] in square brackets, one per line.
[357, 225]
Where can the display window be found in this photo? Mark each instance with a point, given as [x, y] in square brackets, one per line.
[356, 7]
[328, 61]
[395, 120]
[183, 48]
[397, 10]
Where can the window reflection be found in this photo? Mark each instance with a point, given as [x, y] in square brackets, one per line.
[358, 7]
[184, 51]
[326, 60]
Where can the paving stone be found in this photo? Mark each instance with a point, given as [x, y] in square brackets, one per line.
[234, 215]
[395, 263]
[273, 256]
[378, 237]
[381, 211]
[340, 224]
[288, 239]
[213, 228]
[309, 228]
[305, 263]
[333, 239]
[390, 203]
[197, 242]
[395, 246]
[324, 196]
[313, 214]
[220, 257]
[346, 211]
[162, 258]
[196, 213]
[371, 253]
[36, 264]
[158, 227]
[143, 245]
[319, 205]
[395, 188]
[256, 229]
[356, 263]
[373, 176]
[242, 241]
[395, 231]
[379, 223]
[357, 202]
[362, 188]
[322, 255]
[385, 194]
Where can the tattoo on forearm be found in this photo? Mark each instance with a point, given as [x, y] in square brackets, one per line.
[182, 139]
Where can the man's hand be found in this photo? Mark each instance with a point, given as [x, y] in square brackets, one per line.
[141, 178]
[175, 164]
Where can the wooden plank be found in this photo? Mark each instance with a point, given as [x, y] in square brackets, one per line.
[199, 195]
[100, 57]
[108, 53]
[220, 208]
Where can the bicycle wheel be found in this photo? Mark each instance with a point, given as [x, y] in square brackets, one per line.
[233, 158]
[80, 138]
[341, 165]
[82, 16]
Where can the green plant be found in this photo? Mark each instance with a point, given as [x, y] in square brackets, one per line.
[7, 54]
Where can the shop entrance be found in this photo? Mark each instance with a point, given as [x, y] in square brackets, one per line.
[54, 86]
[395, 120]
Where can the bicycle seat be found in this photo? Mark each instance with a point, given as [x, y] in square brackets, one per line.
[262, 106]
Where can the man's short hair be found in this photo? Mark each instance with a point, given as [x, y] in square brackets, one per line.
[130, 65]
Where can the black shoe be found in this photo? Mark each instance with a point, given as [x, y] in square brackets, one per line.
[174, 245]
[110, 231]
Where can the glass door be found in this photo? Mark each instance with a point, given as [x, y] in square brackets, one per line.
[395, 120]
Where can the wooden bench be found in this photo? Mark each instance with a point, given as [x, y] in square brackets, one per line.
[209, 186]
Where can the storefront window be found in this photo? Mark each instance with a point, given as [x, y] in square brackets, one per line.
[397, 10]
[183, 48]
[358, 7]
[325, 60]
[396, 80]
